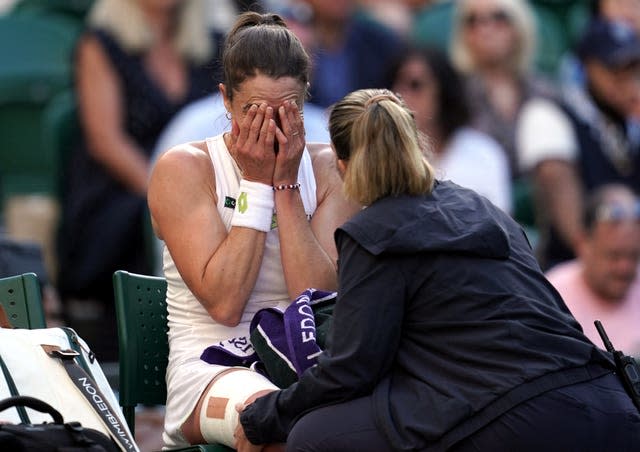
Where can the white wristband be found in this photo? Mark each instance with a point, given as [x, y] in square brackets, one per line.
[254, 206]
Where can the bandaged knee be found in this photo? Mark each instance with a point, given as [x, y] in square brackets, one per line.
[218, 416]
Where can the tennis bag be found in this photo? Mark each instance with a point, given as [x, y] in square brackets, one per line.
[49, 436]
[56, 366]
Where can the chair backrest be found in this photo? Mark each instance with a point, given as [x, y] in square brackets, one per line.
[31, 73]
[22, 300]
[61, 130]
[141, 311]
[74, 9]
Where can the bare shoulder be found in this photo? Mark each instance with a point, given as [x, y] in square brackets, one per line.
[323, 158]
[325, 170]
[185, 169]
[191, 157]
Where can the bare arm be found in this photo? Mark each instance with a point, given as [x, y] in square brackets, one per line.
[308, 249]
[219, 268]
[560, 192]
[100, 106]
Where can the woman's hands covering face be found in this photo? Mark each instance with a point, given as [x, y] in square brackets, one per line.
[290, 137]
[268, 148]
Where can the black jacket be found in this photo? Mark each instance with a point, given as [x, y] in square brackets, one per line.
[445, 316]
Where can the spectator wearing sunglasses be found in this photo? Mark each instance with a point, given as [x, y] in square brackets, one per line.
[493, 44]
[603, 283]
[434, 91]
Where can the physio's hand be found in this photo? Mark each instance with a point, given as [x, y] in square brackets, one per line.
[252, 144]
[242, 444]
[291, 143]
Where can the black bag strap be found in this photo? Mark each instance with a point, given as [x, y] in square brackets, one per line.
[34, 404]
[94, 396]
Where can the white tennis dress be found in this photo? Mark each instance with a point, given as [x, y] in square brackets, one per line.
[191, 329]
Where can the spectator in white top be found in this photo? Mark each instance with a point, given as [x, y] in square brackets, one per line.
[433, 90]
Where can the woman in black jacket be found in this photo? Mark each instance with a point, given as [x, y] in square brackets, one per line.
[446, 334]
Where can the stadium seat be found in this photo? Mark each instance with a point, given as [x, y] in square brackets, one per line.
[141, 309]
[72, 9]
[36, 56]
[22, 301]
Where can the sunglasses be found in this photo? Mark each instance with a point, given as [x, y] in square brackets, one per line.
[497, 17]
[616, 213]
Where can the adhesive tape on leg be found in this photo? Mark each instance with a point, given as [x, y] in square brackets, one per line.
[254, 206]
[218, 416]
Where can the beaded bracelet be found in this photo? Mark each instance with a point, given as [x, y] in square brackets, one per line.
[287, 186]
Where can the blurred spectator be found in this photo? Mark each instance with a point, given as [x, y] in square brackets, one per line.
[586, 141]
[493, 43]
[435, 93]
[395, 14]
[221, 14]
[348, 51]
[625, 11]
[603, 283]
[6, 5]
[136, 65]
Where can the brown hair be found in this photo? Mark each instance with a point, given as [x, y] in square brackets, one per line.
[262, 43]
[376, 133]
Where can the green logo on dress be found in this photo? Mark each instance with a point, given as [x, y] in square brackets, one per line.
[243, 204]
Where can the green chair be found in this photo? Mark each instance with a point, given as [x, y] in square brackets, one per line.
[61, 131]
[22, 301]
[141, 311]
[432, 26]
[74, 9]
[36, 55]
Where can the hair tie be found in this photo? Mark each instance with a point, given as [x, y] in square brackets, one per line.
[380, 97]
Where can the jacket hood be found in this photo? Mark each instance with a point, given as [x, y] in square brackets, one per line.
[450, 219]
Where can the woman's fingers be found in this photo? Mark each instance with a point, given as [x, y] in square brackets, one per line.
[290, 118]
[265, 140]
[295, 118]
[257, 124]
[246, 122]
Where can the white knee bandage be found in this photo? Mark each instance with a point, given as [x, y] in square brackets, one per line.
[218, 416]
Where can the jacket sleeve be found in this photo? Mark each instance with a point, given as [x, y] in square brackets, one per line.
[360, 350]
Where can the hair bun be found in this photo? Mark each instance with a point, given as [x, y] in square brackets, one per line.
[272, 19]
